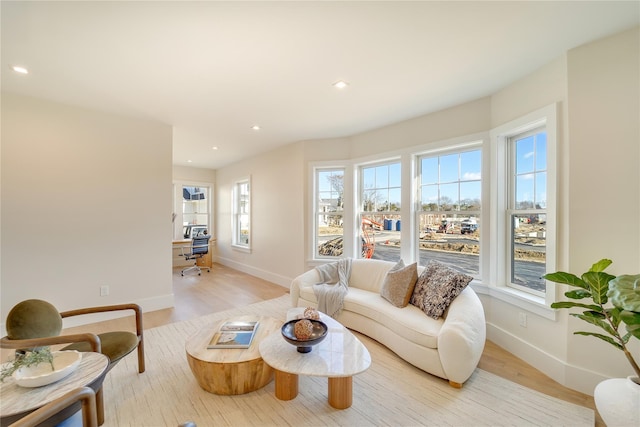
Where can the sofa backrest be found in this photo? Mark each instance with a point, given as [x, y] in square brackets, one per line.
[369, 274]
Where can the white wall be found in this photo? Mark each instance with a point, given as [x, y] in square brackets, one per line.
[86, 201]
[596, 88]
[277, 220]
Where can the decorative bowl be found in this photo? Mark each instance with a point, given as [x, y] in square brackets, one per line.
[304, 345]
[64, 363]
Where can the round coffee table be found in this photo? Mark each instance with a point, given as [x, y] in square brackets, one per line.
[230, 371]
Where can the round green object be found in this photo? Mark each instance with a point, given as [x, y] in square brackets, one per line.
[33, 318]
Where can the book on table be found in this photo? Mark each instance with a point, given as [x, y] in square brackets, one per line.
[234, 334]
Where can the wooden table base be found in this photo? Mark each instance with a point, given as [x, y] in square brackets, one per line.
[231, 378]
[340, 389]
[340, 392]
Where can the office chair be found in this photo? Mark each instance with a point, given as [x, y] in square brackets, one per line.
[199, 248]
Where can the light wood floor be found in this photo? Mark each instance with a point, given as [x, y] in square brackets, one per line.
[224, 288]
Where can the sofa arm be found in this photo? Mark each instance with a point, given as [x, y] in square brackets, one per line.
[305, 280]
[462, 337]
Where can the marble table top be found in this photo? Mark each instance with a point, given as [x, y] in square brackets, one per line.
[15, 399]
[340, 354]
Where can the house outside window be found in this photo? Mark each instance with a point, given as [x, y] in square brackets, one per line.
[242, 214]
[450, 201]
[329, 212]
[380, 219]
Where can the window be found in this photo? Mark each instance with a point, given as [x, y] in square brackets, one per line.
[527, 210]
[192, 210]
[523, 185]
[329, 210]
[242, 214]
[450, 190]
[380, 203]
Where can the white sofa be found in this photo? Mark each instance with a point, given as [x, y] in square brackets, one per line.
[449, 347]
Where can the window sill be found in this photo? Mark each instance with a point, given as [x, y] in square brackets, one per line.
[523, 300]
[239, 248]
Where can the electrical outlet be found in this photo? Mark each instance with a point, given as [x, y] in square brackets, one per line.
[104, 290]
[522, 319]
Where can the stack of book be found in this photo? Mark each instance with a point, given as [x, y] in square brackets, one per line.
[234, 334]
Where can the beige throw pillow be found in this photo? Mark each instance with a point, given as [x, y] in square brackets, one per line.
[398, 284]
[437, 287]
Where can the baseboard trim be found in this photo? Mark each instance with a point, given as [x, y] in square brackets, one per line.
[568, 375]
[283, 281]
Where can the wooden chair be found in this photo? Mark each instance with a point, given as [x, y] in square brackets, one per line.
[37, 323]
[82, 394]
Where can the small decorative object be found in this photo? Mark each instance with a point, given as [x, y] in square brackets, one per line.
[311, 313]
[303, 329]
[304, 345]
[42, 367]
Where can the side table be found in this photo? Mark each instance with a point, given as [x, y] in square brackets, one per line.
[230, 371]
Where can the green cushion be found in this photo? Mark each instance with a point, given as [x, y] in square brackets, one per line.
[33, 318]
[115, 345]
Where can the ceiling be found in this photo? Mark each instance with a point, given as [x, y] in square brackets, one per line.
[212, 69]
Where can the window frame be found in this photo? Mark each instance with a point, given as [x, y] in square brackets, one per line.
[178, 203]
[500, 186]
[316, 211]
[238, 213]
[453, 148]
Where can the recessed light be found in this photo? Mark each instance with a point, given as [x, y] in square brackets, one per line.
[255, 127]
[214, 148]
[340, 84]
[189, 161]
[19, 69]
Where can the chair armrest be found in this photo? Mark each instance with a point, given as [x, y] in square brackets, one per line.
[84, 394]
[106, 308]
[92, 339]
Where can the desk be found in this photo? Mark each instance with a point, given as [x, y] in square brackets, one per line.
[16, 401]
[205, 261]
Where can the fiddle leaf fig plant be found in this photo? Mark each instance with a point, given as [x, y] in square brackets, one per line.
[600, 288]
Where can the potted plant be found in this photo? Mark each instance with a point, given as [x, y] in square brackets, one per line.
[616, 399]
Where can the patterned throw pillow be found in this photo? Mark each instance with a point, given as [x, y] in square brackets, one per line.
[398, 284]
[437, 287]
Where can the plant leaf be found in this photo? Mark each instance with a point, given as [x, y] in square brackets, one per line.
[566, 278]
[624, 292]
[578, 294]
[632, 322]
[601, 265]
[571, 304]
[599, 322]
[602, 337]
[598, 284]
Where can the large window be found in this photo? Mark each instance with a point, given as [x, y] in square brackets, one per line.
[450, 190]
[482, 204]
[329, 210]
[380, 202]
[242, 214]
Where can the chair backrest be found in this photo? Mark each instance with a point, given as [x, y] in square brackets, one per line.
[33, 318]
[200, 244]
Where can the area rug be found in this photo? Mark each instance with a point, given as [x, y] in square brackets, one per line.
[390, 393]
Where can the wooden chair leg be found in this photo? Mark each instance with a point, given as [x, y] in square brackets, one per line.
[100, 406]
[141, 365]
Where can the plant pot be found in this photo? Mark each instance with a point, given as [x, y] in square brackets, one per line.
[618, 401]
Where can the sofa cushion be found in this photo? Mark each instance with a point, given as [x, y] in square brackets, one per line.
[399, 283]
[437, 286]
[408, 322]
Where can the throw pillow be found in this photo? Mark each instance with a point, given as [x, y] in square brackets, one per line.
[398, 284]
[437, 287]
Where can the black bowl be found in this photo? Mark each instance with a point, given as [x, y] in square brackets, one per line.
[304, 346]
